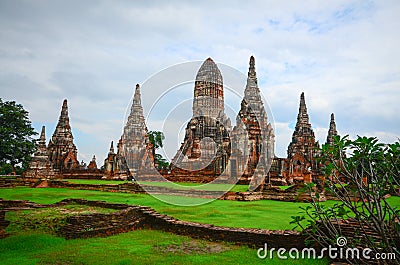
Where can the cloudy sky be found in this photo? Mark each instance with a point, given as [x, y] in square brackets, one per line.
[344, 55]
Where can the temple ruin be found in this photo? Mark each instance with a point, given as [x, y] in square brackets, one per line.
[135, 150]
[60, 155]
[253, 138]
[205, 150]
[211, 148]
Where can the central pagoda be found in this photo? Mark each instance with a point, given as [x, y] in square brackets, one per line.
[206, 146]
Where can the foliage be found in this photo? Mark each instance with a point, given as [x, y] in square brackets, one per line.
[6, 169]
[157, 138]
[161, 161]
[16, 131]
[360, 174]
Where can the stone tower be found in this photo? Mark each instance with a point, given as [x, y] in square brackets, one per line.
[332, 130]
[39, 166]
[41, 146]
[208, 98]
[92, 164]
[135, 146]
[115, 165]
[302, 150]
[206, 146]
[61, 149]
[253, 136]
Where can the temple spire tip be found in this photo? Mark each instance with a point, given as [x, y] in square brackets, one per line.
[112, 147]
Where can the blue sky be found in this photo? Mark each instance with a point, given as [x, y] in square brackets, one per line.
[344, 55]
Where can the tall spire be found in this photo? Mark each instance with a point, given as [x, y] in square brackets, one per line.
[134, 138]
[303, 134]
[136, 98]
[61, 143]
[42, 139]
[209, 120]
[136, 115]
[303, 149]
[302, 118]
[39, 166]
[208, 97]
[252, 91]
[63, 132]
[64, 119]
[252, 69]
[258, 132]
[112, 148]
[332, 130]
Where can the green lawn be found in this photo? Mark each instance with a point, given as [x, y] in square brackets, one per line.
[172, 185]
[47, 220]
[136, 247]
[264, 214]
[33, 240]
[148, 247]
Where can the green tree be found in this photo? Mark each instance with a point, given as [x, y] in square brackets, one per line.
[371, 171]
[16, 131]
[161, 161]
[157, 138]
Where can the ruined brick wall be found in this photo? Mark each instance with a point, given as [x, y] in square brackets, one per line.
[136, 217]
[94, 225]
[3, 224]
[272, 193]
[123, 187]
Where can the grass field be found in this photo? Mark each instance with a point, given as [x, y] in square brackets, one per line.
[172, 185]
[266, 214]
[136, 247]
[40, 246]
[33, 240]
[47, 220]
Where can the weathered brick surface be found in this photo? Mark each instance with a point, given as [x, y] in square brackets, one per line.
[123, 187]
[3, 224]
[273, 193]
[91, 225]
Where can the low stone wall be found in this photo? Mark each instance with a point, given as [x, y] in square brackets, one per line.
[83, 174]
[133, 188]
[3, 224]
[137, 217]
[94, 225]
[123, 187]
[246, 236]
[10, 181]
[292, 194]
[272, 193]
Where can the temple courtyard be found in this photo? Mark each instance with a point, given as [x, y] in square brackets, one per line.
[35, 219]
